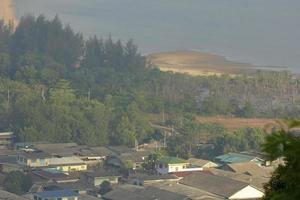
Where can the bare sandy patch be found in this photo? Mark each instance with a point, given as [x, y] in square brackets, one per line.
[198, 63]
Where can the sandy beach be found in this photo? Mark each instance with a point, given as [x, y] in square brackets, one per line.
[7, 11]
[200, 64]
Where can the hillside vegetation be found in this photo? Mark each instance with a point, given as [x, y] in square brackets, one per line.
[56, 86]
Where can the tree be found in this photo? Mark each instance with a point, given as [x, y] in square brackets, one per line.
[285, 181]
[152, 161]
[105, 187]
[125, 132]
[17, 182]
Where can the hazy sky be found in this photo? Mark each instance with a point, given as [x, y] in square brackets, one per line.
[264, 32]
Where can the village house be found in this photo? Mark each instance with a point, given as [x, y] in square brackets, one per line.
[136, 158]
[4, 195]
[96, 178]
[168, 165]
[249, 168]
[132, 192]
[238, 158]
[223, 187]
[8, 163]
[39, 159]
[35, 159]
[67, 164]
[56, 195]
[6, 140]
[202, 163]
[143, 179]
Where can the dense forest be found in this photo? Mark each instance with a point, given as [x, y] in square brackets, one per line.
[57, 86]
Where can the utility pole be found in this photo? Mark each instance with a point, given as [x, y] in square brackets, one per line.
[89, 94]
[163, 115]
[165, 139]
[8, 97]
[43, 94]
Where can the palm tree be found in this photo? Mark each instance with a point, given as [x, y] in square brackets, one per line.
[284, 143]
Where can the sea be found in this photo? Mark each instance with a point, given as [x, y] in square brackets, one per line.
[260, 32]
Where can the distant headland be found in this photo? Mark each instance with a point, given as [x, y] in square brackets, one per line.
[205, 64]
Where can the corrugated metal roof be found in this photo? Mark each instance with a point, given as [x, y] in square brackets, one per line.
[235, 158]
[57, 194]
[172, 160]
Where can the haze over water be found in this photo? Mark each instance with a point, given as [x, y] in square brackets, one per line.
[262, 32]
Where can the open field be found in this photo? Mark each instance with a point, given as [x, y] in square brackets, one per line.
[233, 123]
[200, 64]
[230, 123]
[7, 11]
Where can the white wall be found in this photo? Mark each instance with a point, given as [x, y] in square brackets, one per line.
[248, 192]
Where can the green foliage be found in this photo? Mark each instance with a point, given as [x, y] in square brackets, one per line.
[17, 182]
[56, 86]
[152, 161]
[105, 187]
[285, 181]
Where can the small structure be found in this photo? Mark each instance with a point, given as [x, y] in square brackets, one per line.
[4, 195]
[238, 158]
[56, 195]
[6, 140]
[249, 168]
[202, 163]
[33, 159]
[68, 164]
[9, 163]
[223, 187]
[39, 159]
[96, 178]
[137, 158]
[53, 175]
[257, 182]
[131, 192]
[173, 164]
[147, 179]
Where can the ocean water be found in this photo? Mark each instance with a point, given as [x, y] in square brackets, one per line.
[262, 32]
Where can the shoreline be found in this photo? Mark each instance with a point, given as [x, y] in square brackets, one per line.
[199, 63]
[8, 12]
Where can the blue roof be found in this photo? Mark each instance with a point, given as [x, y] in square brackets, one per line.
[57, 194]
[235, 158]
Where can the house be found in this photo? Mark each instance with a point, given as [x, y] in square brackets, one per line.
[249, 168]
[238, 158]
[168, 165]
[67, 164]
[137, 158]
[4, 195]
[148, 179]
[96, 178]
[33, 159]
[79, 187]
[223, 187]
[56, 195]
[6, 140]
[9, 163]
[202, 163]
[40, 159]
[131, 192]
[53, 175]
[191, 192]
[256, 181]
